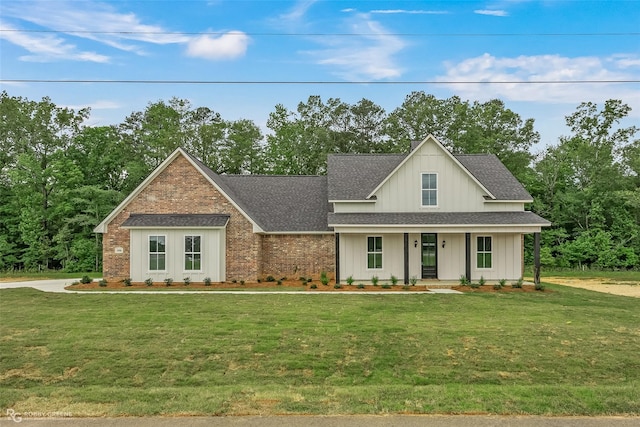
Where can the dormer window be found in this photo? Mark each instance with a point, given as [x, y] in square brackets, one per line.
[429, 189]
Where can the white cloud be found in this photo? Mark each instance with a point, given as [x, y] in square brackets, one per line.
[369, 55]
[102, 23]
[45, 48]
[409, 12]
[491, 12]
[96, 105]
[528, 77]
[296, 13]
[230, 45]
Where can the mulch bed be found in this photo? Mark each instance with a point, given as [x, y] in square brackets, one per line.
[292, 285]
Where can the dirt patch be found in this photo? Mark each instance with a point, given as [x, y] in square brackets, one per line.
[609, 286]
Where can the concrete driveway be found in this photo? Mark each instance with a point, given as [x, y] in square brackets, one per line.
[42, 285]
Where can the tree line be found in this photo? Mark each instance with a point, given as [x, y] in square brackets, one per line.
[59, 177]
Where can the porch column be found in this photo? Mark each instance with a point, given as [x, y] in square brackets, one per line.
[536, 258]
[467, 256]
[337, 258]
[406, 258]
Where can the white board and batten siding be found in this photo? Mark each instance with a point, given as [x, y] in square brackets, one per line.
[506, 256]
[212, 243]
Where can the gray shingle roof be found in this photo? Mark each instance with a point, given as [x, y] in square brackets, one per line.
[355, 176]
[283, 203]
[438, 218]
[176, 220]
[494, 175]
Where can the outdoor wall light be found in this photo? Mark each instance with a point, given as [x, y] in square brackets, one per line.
[443, 243]
[415, 243]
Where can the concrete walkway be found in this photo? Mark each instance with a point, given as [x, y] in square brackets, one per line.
[59, 285]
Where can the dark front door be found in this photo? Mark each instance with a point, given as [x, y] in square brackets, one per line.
[429, 256]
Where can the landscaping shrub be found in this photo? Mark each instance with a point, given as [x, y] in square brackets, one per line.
[413, 280]
[517, 284]
[324, 279]
[168, 281]
[270, 279]
[482, 281]
[102, 283]
[350, 280]
[539, 287]
[360, 286]
[86, 279]
[394, 280]
[207, 281]
[386, 286]
[313, 286]
[127, 281]
[337, 286]
[374, 280]
[187, 281]
[463, 280]
[149, 282]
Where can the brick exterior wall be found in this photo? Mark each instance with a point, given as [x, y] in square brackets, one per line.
[181, 189]
[295, 255]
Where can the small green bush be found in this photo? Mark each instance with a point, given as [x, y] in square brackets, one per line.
[303, 279]
[207, 281]
[148, 282]
[360, 286]
[86, 279]
[502, 282]
[242, 282]
[324, 278]
[313, 286]
[127, 281]
[102, 283]
[413, 280]
[517, 284]
[482, 281]
[168, 281]
[497, 286]
[186, 281]
[270, 279]
[374, 280]
[474, 285]
[350, 280]
[386, 286]
[463, 280]
[394, 280]
[337, 286]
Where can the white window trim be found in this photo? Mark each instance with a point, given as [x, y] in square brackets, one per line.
[184, 253]
[166, 259]
[437, 189]
[485, 252]
[381, 253]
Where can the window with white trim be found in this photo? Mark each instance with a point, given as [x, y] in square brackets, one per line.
[157, 253]
[483, 252]
[374, 252]
[192, 253]
[429, 189]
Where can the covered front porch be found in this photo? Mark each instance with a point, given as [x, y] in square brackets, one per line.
[425, 247]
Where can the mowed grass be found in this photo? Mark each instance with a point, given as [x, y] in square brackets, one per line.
[566, 352]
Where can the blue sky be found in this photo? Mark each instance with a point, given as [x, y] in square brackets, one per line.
[322, 41]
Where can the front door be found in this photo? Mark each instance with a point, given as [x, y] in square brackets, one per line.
[429, 256]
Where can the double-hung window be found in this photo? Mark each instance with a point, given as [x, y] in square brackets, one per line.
[484, 252]
[374, 252]
[157, 253]
[429, 189]
[192, 253]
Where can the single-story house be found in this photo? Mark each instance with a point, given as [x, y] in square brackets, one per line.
[428, 214]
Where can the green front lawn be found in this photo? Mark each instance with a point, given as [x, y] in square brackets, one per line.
[567, 352]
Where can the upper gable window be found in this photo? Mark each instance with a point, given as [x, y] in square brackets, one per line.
[429, 189]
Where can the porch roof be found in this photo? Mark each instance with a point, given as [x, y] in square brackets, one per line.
[524, 218]
[175, 220]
